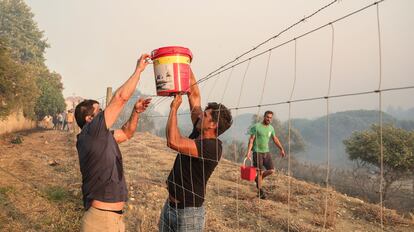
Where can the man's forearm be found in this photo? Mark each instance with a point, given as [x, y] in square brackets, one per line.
[127, 89]
[250, 146]
[194, 99]
[130, 126]
[278, 144]
[172, 129]
[194, 94]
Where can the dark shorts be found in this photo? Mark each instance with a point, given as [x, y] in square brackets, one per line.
[261, 160]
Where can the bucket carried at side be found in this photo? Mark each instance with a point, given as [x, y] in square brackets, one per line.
[172, 70]
[247, 172]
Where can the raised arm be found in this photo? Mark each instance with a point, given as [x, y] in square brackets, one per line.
[175, 140]
[129, 128]
[279, 145]
[194, 99]
[123, 93]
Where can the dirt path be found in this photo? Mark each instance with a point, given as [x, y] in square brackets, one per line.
[40, 191]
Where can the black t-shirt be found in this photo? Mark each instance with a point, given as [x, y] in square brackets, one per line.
[100, 163]
[188, 178]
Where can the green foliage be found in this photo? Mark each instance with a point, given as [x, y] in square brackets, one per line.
[21, 34]
[3, 194]
[297, 144]
[25, 81]
[398, 150]
[17, 140]
[51, 100]
[398, 147]
[57, 194]
[17, 88]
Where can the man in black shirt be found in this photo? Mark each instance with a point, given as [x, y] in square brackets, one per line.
[197, 158]
[103, 183]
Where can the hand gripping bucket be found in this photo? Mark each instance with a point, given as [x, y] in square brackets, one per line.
[172, 70]
[247, 172]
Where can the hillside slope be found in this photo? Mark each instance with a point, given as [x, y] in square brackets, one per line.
[40, 191]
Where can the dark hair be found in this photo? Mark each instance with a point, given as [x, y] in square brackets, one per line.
[268, 112]
[220, 115]
[83, 109]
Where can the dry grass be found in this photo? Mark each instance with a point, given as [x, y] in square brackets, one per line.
[327, 215]
[37, 196]
[295, 226]
[372, 213]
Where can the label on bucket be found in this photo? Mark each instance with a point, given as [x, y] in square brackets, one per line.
[165, 70]
[164, 77]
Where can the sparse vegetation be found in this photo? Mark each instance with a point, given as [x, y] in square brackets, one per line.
[50, 199]
[295, 226]
[57, 193]
[358, 182]
[3, 196]
[326, 218]
[17, 140]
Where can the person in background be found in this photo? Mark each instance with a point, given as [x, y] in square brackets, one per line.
[60, 121]
[70, 118]
[55, 121]
[64, 120]
[260, 133]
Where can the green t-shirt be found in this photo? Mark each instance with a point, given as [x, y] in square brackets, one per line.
[263, 134]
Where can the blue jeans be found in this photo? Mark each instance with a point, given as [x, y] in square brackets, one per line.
[189, 219]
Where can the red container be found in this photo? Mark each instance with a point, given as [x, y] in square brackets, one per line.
[247, 172]
[172, 70]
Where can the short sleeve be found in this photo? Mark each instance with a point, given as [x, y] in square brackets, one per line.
[97, 127]
[209, 148]
[253, 130]
[273, 132]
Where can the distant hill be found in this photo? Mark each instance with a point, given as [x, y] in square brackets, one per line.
[400, 113]
[342, 125]
[313, 131]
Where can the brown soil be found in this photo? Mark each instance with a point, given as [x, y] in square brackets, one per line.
[40, 191]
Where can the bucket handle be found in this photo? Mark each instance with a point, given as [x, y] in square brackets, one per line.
[244, 162]
[149, 60]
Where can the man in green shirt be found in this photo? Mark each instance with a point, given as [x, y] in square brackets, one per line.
[260, 133]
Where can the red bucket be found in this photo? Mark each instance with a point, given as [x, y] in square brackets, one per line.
[172, 70]
[247, 172]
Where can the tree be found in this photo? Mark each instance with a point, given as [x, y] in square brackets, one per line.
[398, 148]
[51, 99]
[25, 80]
[18, 89]
[21, 34]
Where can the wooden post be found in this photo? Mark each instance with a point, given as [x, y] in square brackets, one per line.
[108, 95]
